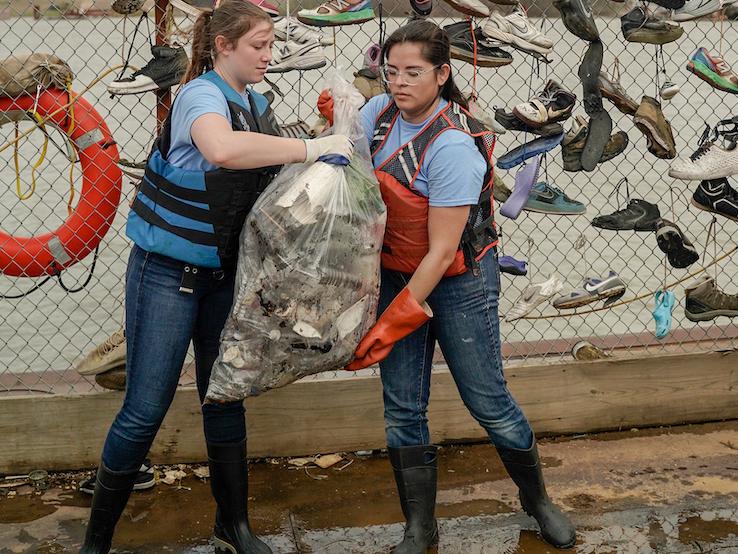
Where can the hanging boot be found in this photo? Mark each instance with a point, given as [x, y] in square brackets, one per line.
[111, 494]
[230, 486]
[416, 483]
[524, 466]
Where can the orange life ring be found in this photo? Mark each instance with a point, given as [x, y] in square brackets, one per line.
[85, 227]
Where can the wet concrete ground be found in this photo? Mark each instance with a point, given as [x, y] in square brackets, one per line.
[642, 491]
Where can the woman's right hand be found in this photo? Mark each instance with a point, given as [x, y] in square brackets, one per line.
[339, 145]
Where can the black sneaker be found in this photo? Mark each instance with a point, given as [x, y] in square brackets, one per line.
[638, 215]
[423, 8]
[577, 17]
[511, 123]
[718, 197]
[462, 46]
[672, 242]
[639, 26]
[144, 480]
[165, 69]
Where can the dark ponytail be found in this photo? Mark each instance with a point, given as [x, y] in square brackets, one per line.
[435, 49]
[231, 19]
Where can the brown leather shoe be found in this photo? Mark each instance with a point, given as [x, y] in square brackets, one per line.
[651, 121]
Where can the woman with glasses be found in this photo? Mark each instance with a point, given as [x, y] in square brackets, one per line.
[440, 280]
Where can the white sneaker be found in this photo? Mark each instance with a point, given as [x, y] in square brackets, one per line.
[710, 161]
[105, 356]
[474, 8]
[293, 56]
[534, 295]
[290, 28]
[693, 9]
[515, 29]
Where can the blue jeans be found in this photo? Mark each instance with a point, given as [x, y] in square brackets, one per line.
[466, 325]
[160, 323]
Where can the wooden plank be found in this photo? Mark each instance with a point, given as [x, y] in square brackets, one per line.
[65, 432]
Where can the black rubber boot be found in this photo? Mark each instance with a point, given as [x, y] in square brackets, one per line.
[111, 494]
[524, 466]
[230, 485]
[415, 469]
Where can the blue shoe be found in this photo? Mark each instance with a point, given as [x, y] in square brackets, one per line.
[510, 265]
[518, 155]
[664, 301]
[545, 199]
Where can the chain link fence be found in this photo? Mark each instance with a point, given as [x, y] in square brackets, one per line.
[45, 332]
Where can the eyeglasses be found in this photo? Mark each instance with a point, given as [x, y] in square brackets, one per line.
[411, 76]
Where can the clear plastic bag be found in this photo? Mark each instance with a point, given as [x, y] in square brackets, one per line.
[307, 283]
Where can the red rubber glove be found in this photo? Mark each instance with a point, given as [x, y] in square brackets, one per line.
[403, 316]
[325, 105]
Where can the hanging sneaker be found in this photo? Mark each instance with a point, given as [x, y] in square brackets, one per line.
[422, 8]
[165, 69]
[109, 354]
[126, 7]
[511, 266]
[481, 115]
[546, 199]
[289, 28]
[576, 138]
[663, 307]
[293, 56]
[694, 9]
[651, 122]
[638, 215]
[500, 191]
[553, 104]
[577, 18]
[639, 26]
[512, 123]
[705, 301]
[488, 53]
[144, 480]
[610, 288]
[669, 90]
[515, 29]
[338, 12]
[611, 89]
[679, 250]
[474, 8]
[716, 157]
[718, 197]
[713, 70]
[196, 7]
[534, 295]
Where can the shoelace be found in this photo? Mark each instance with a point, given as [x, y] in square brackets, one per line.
[115, 340]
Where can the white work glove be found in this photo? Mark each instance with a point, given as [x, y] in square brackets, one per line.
[339, 145]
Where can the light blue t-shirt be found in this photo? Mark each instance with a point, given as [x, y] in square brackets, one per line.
[452, 171]
[194, 99]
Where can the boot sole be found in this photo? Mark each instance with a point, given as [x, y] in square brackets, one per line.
[708, 210]
[598, 136]
[654, 37]
[222, 547]
[708, 316]
[670, 242]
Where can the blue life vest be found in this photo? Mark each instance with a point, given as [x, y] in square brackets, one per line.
[196, 216]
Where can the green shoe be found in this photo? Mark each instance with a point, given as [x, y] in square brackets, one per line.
[545, 199]
[338, 12]
[713, 70]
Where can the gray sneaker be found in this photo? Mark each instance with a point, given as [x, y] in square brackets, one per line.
[611, 288]
[704, 301]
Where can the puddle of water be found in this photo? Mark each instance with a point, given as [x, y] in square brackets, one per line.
[23, 509]
[697, 529]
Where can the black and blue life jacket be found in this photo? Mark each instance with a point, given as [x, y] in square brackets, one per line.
[197, 216]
